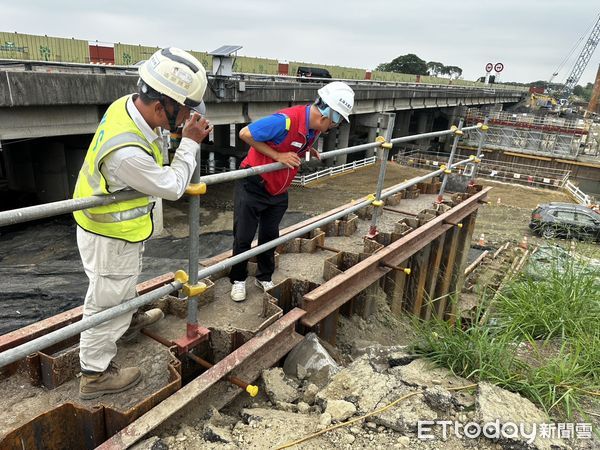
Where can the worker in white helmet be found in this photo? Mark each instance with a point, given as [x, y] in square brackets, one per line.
[127, 153]
[261, 200]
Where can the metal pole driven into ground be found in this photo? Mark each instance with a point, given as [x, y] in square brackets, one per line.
[385, 150]
[482, 133]
[17, 353]
[458, 132]
[194, 333]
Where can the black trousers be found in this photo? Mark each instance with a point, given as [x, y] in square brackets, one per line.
[255, 208]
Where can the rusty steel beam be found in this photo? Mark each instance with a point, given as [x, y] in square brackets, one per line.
[328, 297]
[281, 334]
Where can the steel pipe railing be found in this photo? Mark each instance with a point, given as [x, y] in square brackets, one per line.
[30, 213]
[42, 342]
[457, 135]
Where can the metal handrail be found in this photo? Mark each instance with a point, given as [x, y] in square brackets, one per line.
[16, 216]
[15, 354]
[20, 215]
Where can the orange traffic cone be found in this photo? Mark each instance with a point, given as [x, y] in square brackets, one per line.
[481, 241]
[523, 244]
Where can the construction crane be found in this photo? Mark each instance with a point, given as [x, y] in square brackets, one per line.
[582, 60]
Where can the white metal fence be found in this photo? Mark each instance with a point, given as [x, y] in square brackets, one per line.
[303, 180]
[580, 196]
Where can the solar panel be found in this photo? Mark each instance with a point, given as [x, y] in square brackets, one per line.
[225, 50]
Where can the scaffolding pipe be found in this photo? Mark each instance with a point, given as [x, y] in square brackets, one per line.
[378, 204]
[30, 213]
[458, 133]
[482, 132]
[15, 354]
[194, 239]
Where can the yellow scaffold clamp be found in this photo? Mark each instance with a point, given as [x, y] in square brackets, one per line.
[384, 144]
[445, 168]
[190, 290]
[474, 159]
[377, 203]
[456, 131]
[196, 189]
[406, 270]
[371, 197]
[483, 127]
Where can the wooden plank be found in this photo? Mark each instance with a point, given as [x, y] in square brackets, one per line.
[458, 271]
[416, 284]
[445, 276]
[395, 282]
[435, 259]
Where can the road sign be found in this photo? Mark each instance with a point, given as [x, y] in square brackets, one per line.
[489, 67]
[498, 67]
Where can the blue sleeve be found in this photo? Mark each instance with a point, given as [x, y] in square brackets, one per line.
[270, 128]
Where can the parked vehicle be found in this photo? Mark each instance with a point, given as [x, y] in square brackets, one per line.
[312, 72]
[566, 220]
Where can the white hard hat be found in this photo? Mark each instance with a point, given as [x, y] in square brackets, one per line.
[339, 97]
[178, 75]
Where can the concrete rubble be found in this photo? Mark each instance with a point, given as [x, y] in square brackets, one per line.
[291, 409]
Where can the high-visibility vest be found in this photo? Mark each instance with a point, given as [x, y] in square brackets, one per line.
[129, 220]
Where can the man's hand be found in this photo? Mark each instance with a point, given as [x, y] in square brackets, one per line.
[313, 151]
[290, 159]
[196, 128]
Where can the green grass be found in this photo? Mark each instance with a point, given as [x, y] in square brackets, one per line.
[540, 337]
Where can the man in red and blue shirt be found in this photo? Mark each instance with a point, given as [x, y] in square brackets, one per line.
[261, 200]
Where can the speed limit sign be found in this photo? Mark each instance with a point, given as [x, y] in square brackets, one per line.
[489, 67]
[498, 67]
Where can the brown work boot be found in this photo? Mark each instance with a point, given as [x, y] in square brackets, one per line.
[111, 381]
[141, 320]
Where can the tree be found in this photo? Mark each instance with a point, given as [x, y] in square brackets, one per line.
[434, 68]
[453, 71]
[409, 63]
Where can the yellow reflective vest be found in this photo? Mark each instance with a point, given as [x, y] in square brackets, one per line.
[129, 220]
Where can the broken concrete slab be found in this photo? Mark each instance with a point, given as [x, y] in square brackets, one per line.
[278, 387]
[405, 415]
[340, 410]
[422, 373]
[497, 404]
[360, 383]
[261, 426]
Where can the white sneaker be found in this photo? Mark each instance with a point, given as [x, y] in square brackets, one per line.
[265, 285]
[238, 291]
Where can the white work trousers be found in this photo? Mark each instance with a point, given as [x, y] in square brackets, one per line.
[113, 267]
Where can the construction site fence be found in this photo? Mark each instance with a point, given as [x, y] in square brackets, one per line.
[579, 196]
[303, 180]
[494, 170]
[475, 115]
[30, 213]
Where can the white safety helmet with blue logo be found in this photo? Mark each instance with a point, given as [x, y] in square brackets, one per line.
[178, 75]
[336, 101]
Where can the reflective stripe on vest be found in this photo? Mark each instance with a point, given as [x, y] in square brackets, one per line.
[119, 216]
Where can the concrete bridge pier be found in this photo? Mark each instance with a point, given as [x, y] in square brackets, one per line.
[329, 143]
[222, 136]
[343, 141]
[424, 125]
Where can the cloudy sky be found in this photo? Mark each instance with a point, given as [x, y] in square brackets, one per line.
[530, 37]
